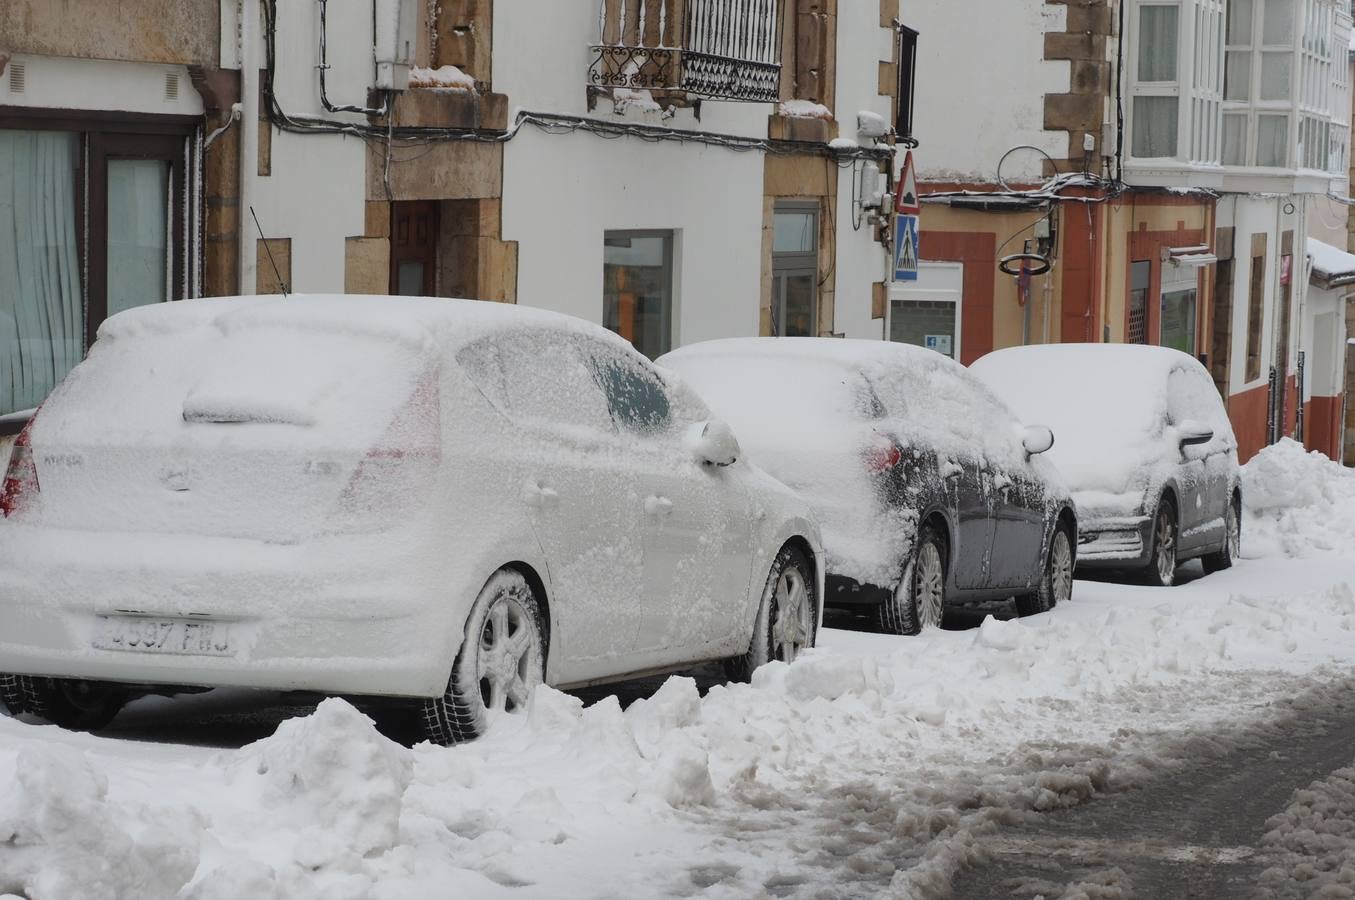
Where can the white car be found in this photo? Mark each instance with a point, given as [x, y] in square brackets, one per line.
[1145, 444]
[440, 499]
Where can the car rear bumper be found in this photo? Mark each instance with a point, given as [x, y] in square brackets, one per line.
[1119, 542]
[336, 621]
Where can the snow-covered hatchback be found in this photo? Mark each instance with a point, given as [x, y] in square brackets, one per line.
[1145, 444]
[438, 499]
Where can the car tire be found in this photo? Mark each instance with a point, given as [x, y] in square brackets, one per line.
[1056, 582]
[501, 661]
[1161, 568]
[1232, 543]
[919, 600]
[71, 703]
[787, 617]
[12, 694]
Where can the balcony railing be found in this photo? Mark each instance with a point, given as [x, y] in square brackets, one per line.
[723, 49]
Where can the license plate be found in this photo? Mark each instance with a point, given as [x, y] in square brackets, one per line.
[146, 634]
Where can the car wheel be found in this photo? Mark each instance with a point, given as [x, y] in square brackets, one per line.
[501, 661]
[1161, 570]
[920, 598]
[787, 618]
[1232, 543]
[71, 703]
[11, 694]
[1056, 584]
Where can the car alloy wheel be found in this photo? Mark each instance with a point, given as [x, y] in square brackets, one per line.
[501, 660]
[1061, 568]
[507, 655]
[929, 585]
[791, 620]
[1164, 547]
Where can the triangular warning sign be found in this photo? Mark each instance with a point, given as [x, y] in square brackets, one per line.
[906, 203]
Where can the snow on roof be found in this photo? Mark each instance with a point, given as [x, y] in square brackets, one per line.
[415, 321]
[1332, 266]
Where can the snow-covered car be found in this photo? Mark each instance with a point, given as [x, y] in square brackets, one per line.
[438, 499]
[1144, 444]
[926, 487]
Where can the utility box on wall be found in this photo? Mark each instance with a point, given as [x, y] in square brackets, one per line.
[396, 39]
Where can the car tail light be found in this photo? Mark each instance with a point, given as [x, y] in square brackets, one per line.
[409, 449]
[20, 490]
[882, 455]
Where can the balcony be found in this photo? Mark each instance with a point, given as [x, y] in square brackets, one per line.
[717, 49]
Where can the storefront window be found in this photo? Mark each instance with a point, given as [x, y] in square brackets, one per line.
[795, 268]
[1178, 320]
[637, 300]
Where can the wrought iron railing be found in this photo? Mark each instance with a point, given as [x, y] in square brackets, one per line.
[725, 49]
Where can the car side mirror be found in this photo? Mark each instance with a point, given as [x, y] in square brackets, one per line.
[713, 443]
[1192, 433]
[1037, 439]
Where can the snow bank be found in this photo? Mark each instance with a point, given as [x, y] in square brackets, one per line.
[1297, 503]
[869, 762]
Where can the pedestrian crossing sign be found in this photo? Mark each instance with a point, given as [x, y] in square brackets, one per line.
[905, 248]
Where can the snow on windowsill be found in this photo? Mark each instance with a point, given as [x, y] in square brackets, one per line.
[444, 78]
[803, 109]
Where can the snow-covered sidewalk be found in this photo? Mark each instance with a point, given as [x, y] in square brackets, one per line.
[868, 765]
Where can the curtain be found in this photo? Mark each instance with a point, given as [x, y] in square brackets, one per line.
[1158, 43]
[41, 304]
[1155, 121]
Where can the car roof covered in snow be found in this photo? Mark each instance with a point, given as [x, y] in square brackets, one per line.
[846, 352]
[415, 321]
[1106, 403]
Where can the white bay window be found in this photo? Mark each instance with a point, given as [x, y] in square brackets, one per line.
[1177, 83]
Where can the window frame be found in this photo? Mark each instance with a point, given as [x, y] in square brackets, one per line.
[102, 136]
[793, 264]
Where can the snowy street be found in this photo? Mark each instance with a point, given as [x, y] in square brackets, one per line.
[877, 765]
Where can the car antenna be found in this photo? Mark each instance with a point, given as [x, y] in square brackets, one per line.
[269, 250]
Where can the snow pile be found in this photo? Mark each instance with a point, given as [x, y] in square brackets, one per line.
[803, 109]
[1315, 841]
[870, 762]
[443, 78]
[63, 833]
[1297, 503]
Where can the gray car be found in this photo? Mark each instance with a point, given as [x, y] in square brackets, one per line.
[1145, 445]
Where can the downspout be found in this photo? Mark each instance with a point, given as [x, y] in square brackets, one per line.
[249, 140]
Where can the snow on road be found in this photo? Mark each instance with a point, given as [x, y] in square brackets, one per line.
[866, 768]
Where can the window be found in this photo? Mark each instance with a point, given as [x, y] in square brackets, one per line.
[635, 396]
[97, 210]
[637, 299]
[1178, 84]
[414, 248]
[903, 123]
[1256, 296]
[537, 377]
[1178, 320]
[795, 268]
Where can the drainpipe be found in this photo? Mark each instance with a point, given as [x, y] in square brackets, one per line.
[249, 140]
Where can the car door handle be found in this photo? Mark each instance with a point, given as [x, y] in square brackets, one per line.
[658, 506]
[540, 496]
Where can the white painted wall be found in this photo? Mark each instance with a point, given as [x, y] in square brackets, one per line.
[562, 192]
[1250, 215]
[860, 261]
[317, 188]
[97, 84]
[982, 80]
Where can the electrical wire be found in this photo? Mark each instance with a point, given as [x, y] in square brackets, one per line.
[551, 123]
